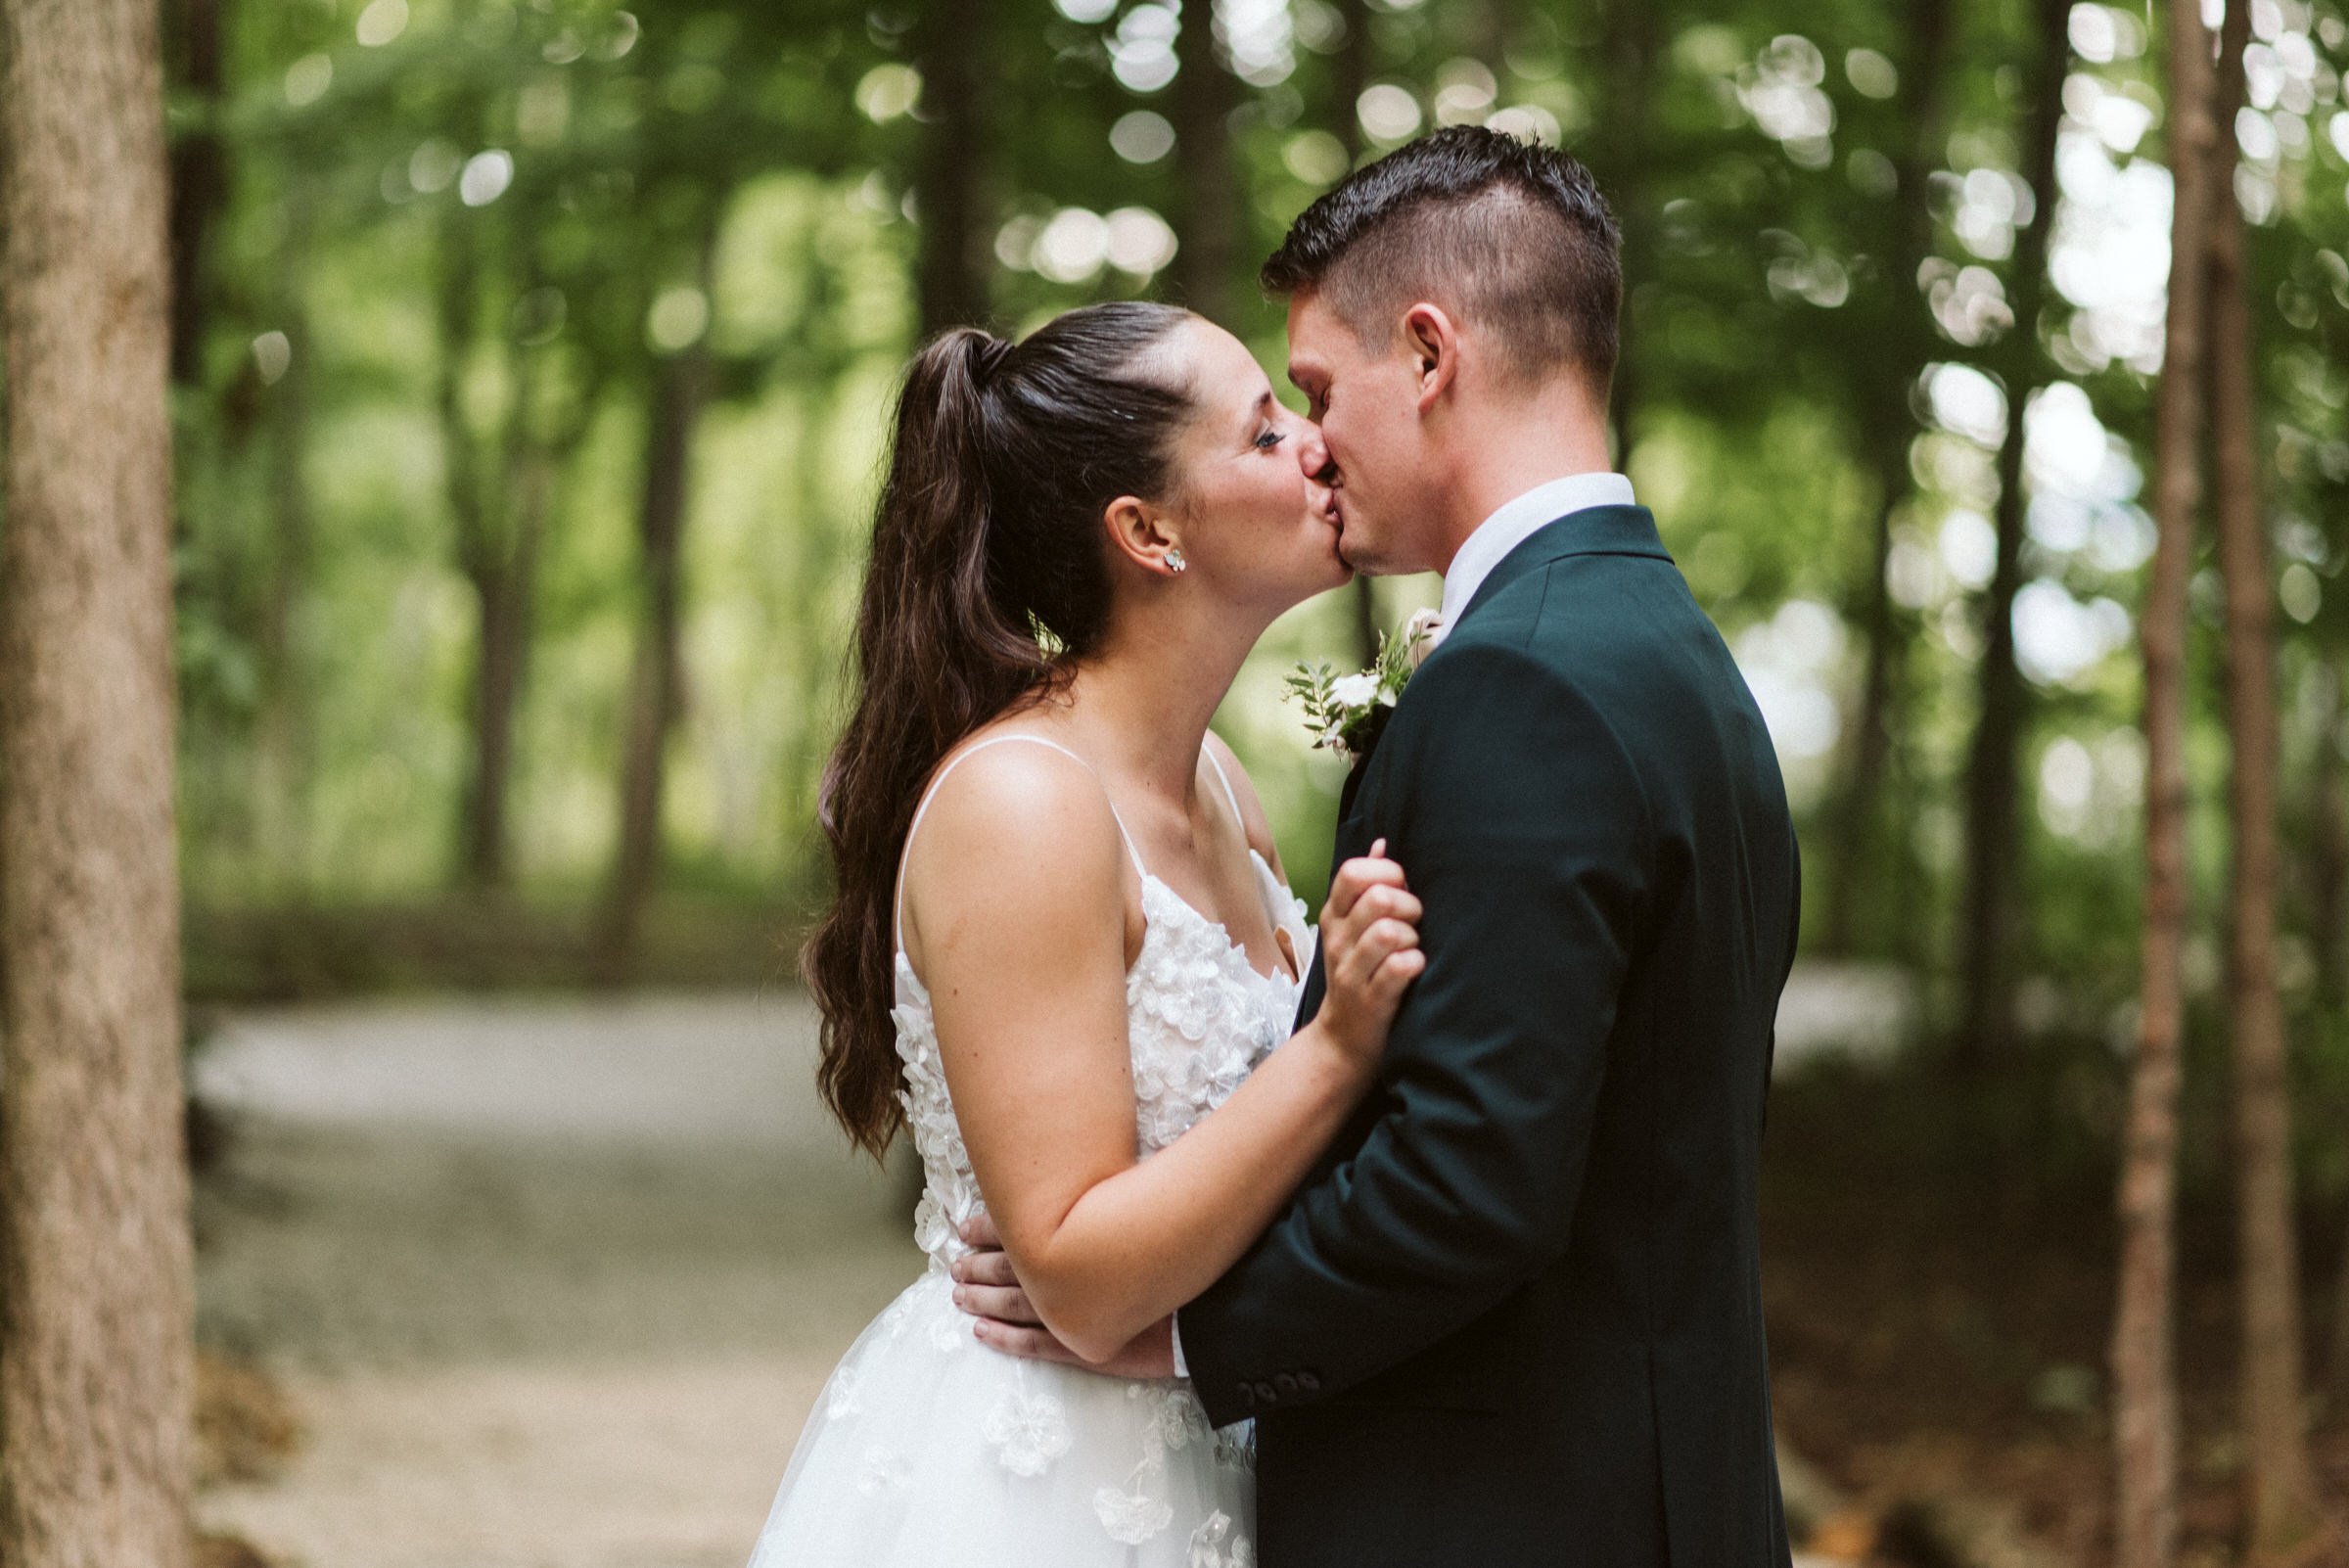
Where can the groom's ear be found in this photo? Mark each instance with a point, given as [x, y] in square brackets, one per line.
[1433, 341]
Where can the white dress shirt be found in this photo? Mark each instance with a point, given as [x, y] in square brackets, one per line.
[1516, 522]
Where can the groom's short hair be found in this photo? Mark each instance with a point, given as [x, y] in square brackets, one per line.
[1512, 233]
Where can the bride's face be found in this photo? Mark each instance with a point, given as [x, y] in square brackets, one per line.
[1256, 522]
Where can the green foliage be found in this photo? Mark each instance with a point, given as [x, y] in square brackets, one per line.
[460, 239]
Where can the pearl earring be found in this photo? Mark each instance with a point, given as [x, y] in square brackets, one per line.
[1175, 561]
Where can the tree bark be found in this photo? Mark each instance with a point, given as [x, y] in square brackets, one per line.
[2144, 1386]
[282, 740]
[680, 386]
[949, 175]
[1891, 430]
[1350, 78]
[483, 556]
[1206, 173]
[282, 735]
[2280, 1499]
[199, 181]
[1994, 858]
[1630, 46]
[97, 1363]
[2328, 859]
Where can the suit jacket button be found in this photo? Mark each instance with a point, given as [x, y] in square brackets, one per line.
[1266, 1392]
[1309, 1382]
[1284, 1382]
[1247, 1395]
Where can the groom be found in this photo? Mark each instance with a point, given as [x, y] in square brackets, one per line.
[1514, 1317]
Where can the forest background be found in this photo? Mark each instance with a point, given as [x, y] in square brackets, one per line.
[529, 364]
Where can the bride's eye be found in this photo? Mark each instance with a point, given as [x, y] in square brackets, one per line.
[1269, 440]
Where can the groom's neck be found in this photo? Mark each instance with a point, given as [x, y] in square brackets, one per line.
[1503, 456]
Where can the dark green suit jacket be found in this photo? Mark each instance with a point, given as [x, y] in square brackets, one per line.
[1514, 1317]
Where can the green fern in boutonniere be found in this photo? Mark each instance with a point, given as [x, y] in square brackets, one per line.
[1346, 713]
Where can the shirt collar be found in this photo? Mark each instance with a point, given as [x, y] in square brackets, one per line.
[1515, 523]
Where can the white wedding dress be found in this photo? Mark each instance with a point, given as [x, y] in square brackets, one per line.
[929, 1450]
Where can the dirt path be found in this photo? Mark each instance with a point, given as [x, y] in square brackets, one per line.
[549, 1283]
[555, 1282]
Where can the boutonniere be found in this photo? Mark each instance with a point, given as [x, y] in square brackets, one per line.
[1347, 713]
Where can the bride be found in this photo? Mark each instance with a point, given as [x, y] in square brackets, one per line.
[1063, 952]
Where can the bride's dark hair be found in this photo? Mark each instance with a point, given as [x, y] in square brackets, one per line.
[988, 581]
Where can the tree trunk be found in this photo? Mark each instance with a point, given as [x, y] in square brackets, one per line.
[199, 180]
[950, 176]
[1630, 46]
[2280, 1501]
[680, 386]
[1207, 176]
[2339, 1369]
[281, 737]
[1994, 862]
[1892, 430]
[2328, 856]
[2144, 1385]
[97, 1362]
[1349, 78]
[483, 556]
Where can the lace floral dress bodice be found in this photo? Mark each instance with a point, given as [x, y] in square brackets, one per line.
[1198, 1018]
[926, 1446]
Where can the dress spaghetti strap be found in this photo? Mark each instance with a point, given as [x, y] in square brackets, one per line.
[1209, 751]
[897, 910]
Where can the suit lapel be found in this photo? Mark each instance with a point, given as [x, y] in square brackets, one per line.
[1592, 531]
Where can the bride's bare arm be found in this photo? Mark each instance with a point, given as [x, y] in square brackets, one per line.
[1014, 894]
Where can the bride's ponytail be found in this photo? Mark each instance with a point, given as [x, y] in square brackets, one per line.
[988, 581]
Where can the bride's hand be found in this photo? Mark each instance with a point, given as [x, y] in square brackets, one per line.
[1369, 953]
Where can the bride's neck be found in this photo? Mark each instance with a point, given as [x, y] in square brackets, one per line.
[1146, 697]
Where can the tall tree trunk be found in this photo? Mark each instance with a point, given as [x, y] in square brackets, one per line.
[1995, 861]
[951, 174]
[97, 1361]
[2328, 856]
[506, 588]
[680, 386]
[1630, 46]
[281, 737]
[2144, 1383]
[483, 556]
[2337, 1378]
[1350, 78]
[2282, 1505]
[198, 180]
[1207, 175]
[1890, 433]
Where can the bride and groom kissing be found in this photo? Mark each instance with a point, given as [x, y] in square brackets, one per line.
[1425, 1238]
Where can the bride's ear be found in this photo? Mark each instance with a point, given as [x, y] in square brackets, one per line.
[1143, 535]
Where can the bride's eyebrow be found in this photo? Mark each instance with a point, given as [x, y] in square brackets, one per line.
[1258, 409]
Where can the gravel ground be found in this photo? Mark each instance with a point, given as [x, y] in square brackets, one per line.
[548, 1284]
[552, 1284]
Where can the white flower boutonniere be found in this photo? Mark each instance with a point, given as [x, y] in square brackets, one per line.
[1347, 713]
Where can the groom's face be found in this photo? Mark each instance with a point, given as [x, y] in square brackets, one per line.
[1367, 401]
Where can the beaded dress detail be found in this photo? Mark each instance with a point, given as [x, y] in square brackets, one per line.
[928, 1447]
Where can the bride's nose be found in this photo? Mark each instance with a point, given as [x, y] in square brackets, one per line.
[1312, 453]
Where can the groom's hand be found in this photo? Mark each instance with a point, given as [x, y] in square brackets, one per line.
[985, 1288]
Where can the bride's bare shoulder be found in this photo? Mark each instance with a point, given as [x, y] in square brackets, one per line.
[1018, 829]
